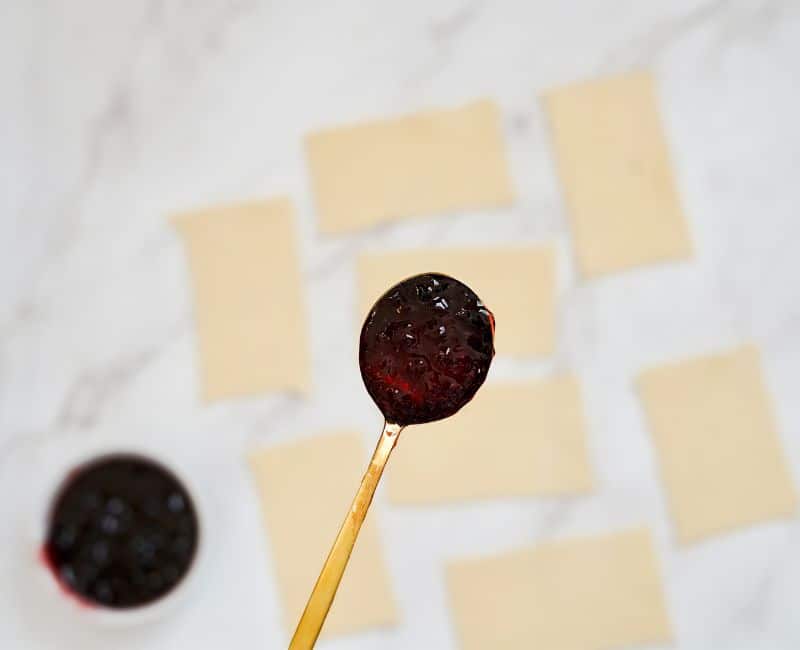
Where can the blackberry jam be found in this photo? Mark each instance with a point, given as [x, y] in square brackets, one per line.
[425, 348]
[122, 532]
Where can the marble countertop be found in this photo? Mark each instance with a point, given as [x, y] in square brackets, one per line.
[117, 114]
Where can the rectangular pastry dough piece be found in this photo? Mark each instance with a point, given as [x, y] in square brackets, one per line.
[249, 311]
[432, 162]
[305, 490]
[720, 455]
[580, 594]
[616, 174]
[520, 439]
[518, 283]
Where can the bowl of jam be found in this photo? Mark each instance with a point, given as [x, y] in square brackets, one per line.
[122, 535]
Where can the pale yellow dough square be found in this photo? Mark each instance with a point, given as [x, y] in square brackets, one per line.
[251, 327]
[721, 459]
[616, 174]
[306, 489]
[432, 162]
[518, 283]
[512, 440]
[594, 593]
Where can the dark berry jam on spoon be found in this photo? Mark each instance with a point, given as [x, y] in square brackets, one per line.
[425, 349]
[122, 532]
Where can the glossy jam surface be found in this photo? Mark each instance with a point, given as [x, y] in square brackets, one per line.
[426, 347]
[122, 532]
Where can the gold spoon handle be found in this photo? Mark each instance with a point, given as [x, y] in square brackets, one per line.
[321, 599]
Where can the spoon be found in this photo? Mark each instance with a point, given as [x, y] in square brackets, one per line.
[425, 349]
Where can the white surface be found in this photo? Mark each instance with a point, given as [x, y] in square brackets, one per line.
[116, 114]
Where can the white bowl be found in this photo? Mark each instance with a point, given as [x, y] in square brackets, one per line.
[56, 464]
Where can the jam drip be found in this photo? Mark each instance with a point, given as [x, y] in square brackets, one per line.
[425, 349]
[122, 533]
